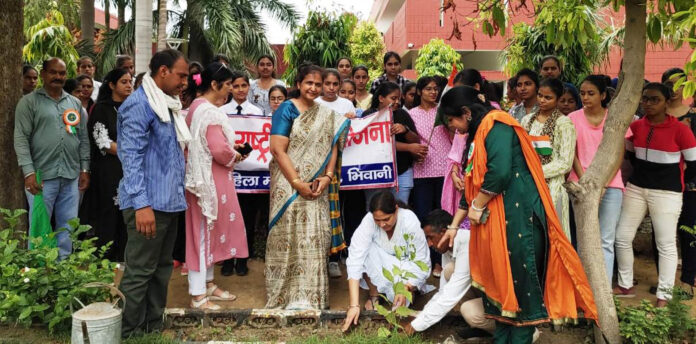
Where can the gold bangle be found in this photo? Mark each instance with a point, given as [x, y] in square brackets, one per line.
[295, 181]
[330, 174]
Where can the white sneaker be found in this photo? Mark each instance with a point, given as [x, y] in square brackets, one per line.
[536, 335]
[334, 270]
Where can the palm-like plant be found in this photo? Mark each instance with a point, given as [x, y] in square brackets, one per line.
[230, 27]
[51, 38]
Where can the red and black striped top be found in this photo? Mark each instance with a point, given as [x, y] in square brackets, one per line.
[659, 154]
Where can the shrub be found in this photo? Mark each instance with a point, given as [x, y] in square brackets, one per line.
[436, 58]
[647, 324]
[36, 288]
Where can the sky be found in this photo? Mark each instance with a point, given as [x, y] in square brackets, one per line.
[278, 34]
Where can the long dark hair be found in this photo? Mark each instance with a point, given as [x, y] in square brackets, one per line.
[469, 77]
[383, 90]
[215, 71]
[420, 85]
[385, 202]
[273, 73]
[601, 84]
[112, 77]
[465, 96]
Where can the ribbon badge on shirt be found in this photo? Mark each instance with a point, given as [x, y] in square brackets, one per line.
[542, 145]
[469, 160]
[71, 118]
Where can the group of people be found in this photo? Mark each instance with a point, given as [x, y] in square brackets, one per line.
[149, 164]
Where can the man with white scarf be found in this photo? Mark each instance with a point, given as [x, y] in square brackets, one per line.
[152, 135]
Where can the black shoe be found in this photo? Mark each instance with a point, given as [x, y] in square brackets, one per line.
[472, 332]
[653, 290]
[227, 268]
[241, 267]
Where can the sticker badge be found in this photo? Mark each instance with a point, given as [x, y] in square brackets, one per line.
[71, 118]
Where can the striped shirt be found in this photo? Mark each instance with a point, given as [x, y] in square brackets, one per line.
[659, 154]
[152, 160]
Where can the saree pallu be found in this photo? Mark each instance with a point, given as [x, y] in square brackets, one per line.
[300, 230]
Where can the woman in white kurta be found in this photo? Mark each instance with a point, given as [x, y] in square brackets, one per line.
[553, 136]
[372, 248]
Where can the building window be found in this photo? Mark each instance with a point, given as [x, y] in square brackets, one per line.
[442, 13]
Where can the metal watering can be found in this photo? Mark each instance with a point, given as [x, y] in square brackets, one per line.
[99, 322]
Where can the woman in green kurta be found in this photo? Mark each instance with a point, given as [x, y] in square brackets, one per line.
[518, 246]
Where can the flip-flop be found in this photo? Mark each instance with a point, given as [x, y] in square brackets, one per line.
[201, 304]
[226, 296]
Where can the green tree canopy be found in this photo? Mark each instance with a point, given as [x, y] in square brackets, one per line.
[322, 40]
[367, 47]
[50, 38]
[436, 58]
[578, 39]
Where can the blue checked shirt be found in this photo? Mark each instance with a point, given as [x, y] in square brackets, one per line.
[153, 162]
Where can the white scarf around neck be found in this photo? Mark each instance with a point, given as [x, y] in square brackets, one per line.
[162, 103]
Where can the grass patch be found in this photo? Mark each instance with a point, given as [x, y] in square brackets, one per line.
[361, 337]
[151, 338]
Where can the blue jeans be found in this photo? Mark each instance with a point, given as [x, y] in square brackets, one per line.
[63, 196]
[609, 213]
[405, 185]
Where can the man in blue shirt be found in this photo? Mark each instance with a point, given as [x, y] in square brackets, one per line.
[151, 137]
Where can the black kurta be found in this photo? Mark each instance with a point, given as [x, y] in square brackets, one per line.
[100, 207]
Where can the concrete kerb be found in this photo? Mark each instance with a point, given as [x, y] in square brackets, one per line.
[270, 318]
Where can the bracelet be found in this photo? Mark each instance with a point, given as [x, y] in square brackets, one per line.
[353, 306]
[330, 174]
[452, 227]
[473, 206]
[295, 181]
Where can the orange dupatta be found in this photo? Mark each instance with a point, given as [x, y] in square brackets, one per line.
[488, 253]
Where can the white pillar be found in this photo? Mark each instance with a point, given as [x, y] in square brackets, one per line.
[143, 35]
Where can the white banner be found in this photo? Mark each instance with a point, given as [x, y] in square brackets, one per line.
[368, 156]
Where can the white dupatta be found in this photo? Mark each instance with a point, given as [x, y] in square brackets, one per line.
[199, 174]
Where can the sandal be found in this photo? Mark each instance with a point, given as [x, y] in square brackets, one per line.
[373, 302]
[204, 304]
[225, 296]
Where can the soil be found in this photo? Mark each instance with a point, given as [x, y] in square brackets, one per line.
[250, 292]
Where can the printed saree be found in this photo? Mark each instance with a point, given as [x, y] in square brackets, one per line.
[300, 230]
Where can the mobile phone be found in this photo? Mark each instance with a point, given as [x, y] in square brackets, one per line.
[246, 149]
[484, 216]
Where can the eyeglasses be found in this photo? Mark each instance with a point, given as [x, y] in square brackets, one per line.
[650, 100]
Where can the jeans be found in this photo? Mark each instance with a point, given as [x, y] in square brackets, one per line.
[609, 212]
[427, 195]
[664, 208]
[63, 196]
[405, 185]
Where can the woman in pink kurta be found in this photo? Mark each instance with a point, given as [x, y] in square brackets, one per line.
[214, 226]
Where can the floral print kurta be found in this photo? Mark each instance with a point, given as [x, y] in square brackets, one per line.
[227, 238]
[561, 163]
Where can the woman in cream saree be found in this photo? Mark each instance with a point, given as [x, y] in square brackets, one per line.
[306, 139]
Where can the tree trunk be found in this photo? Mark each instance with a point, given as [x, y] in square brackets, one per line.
[87, 22]
[107, 15]
[143, 35]
[12, 40]
[198, 48]
[587, 191]
[162, 25]
[121, 4]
